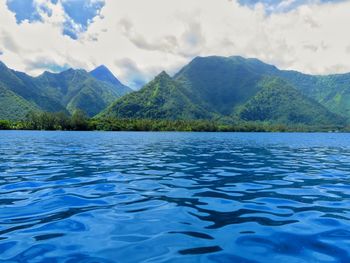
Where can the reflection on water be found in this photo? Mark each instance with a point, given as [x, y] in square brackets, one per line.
[174, 197]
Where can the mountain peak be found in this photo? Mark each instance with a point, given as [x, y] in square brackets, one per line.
[163, 74]
[163, 78]
[104, 74]
[101, 68]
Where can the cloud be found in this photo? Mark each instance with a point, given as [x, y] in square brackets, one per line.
[78, 14]
[132, 70]
[8, 42]
[165, 43]
[44, 63]
[138, 39]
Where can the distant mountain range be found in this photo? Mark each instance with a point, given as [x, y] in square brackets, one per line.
[235, 88]
[67, 91]
[213, 88]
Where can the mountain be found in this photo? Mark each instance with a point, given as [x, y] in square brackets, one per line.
[162, 98]
[77, 89]
[13, 107]
[65, 91]
[213, 88]
[219, 84]
[332, 91]
[104, 74]
[226, 88]
[25, 86]
[277, 101]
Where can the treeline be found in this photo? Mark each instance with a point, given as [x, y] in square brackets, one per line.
[79, 121]
[50, 122]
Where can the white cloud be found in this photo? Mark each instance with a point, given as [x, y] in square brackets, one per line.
[149, 36]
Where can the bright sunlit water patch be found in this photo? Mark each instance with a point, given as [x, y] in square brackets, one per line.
[174, 197]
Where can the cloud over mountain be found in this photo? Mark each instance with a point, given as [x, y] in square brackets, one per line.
[137, 39]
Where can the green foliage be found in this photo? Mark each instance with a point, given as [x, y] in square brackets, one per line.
[5, 125]
[79, 121]
[217, 88]
[219, 84]
[12, 106]
[54, 121]
[162, 98]
[279, 102]
[212, 93]
[66, 92]
[332, 91]
[77, 89]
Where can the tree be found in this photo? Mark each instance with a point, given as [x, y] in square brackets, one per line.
[79, 121]
[5, 125]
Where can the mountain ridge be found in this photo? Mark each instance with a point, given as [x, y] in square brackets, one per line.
[211, 88]
[66, 91]
[221, 86]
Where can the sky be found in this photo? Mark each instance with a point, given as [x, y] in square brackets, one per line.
[137, 39]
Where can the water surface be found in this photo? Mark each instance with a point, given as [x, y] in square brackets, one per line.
[174, 197]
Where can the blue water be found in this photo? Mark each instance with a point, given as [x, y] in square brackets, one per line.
[174, 197]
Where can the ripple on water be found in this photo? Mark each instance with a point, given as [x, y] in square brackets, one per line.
[174, 197]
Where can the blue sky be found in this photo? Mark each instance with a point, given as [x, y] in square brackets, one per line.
[79, 13]
[290, 5]
[137, 39]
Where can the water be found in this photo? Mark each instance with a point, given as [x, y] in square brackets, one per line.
[174, 197]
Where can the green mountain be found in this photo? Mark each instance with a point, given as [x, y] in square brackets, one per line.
[66, 91]
[77, 89]
[277, 101]
[104, 74]
[212, 88]
[13, 107]
[219, 84]
[226, 88]
[162, 98]
[26, 87]
[332, 91]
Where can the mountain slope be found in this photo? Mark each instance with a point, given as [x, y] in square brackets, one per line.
[332, 91]
[77, 89]
[279, 102]
[207, 88]
[26, 87]
[224, 88]
[65, 91]
[13, 107]
[226, 82]
[162, 98]
[219, 84]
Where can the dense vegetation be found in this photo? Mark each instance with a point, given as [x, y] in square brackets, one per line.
[13, 106]
[210, 93]
[279, 102]
[162, 98]
[219, 89]
[79, 121]
[65, 91]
